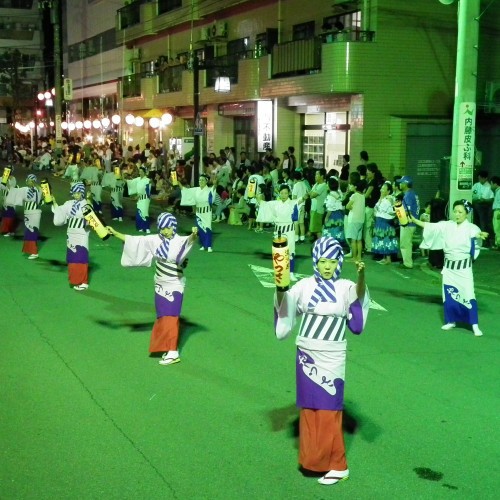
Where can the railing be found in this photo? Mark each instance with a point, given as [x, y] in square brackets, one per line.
[130, 15]
[347, 36]
[165, 6]
[296, 58]
[224, 66]
[170, 78]
[131, 86]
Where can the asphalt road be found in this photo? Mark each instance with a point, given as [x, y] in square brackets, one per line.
[86, 413]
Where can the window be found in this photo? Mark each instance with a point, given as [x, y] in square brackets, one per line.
[303, 31]
[349, 21]
[239, 46]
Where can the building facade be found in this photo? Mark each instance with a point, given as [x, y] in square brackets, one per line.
[21, 61]
[339, 77]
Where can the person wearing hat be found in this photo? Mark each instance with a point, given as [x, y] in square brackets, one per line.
[9, 216]
[411, 202]
[458, 238]
[327, 305]
[202, 198]
[77, 252]
[32, 198]
[169, 250]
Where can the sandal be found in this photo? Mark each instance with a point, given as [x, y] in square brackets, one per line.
[334, 477]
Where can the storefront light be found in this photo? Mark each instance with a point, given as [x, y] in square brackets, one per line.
[154, 122]
[105, 122]
[222, 84]
[79, 125]
[167, 119]
[116, 119]
[96, 124]
[71, 126]
[47, 95]
[64, 125]
[139, 121]
[41, 96]
[87, 124]
[130, 119]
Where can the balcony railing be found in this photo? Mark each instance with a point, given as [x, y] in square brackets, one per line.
[130, 15]
[165, 6]
[170, 78]
[131, 86]
[299, 57]
[347, 36]
[224, 66]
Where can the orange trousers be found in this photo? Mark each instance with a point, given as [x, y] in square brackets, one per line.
[165, 334]
[30, 247]
[78, 274]
[321, 441]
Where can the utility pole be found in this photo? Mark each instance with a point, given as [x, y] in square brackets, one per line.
[464, 111]
[55, 20]
[197, 119]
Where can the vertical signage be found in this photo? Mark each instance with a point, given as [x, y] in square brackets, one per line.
[68, 89]
[465, 146]
[264, 125]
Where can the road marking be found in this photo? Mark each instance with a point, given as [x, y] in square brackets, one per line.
[153, 396]
[266, 279]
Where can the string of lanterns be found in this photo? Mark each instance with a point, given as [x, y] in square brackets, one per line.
[154, 122]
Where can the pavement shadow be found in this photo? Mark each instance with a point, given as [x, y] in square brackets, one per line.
[409, 295]
[119, 304]
[131, 325]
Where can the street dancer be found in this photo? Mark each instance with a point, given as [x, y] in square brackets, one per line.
[327, 304]
[32, 198]
[77, 253]
[458, 240]
[141, 187]
[202, 198]
[283, 212]
[170, 251]
[9, 218]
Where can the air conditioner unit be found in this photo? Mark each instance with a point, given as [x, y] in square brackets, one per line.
[136, 54]
[205, 34]
[221, 30]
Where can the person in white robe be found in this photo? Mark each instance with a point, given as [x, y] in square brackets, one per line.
[141, 187]
[77, 252]
[283, 213]
[91, 175]
[202, 198]
[170, 251]
[327, 305]
[460, 240]
[9, 216]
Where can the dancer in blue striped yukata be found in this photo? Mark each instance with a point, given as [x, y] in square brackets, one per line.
[169, 250]
[459, 239]
[327, 305]
[77, 252]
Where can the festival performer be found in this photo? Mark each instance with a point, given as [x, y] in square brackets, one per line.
[458, 239]
[334, 219]
[141, 187]
[170, 251]
[283, 213]
[9, 219]
[77, 253]
[116, 184]
[202, 198]
[31, 198]
[92, 176]
[327, 304]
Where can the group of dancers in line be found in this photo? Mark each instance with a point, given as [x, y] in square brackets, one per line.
[327, 304]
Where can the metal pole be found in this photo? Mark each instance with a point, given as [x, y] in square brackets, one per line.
[464, 111]
[196, 111]
[55, 18]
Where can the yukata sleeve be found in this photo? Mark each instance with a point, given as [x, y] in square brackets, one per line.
[357, 309]
[286, 312]
[266, 212]
[188, 196]
[138, 251]
[60, 214]
[17, 196]
[433, 236]
[132, 186]
[109, 180]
